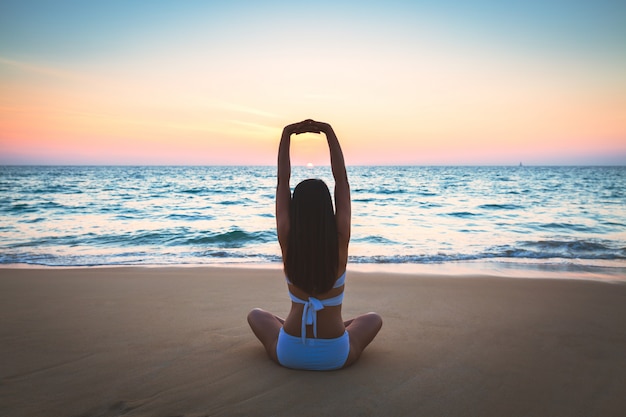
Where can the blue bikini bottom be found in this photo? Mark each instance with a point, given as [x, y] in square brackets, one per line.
[312, 354]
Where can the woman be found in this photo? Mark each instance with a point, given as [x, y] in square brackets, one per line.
[314, 243]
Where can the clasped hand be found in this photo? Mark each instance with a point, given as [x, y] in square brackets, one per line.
[307, 126]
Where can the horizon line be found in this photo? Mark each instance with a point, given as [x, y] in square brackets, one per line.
[121, 165]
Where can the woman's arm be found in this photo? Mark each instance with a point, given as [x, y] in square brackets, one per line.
[283, 192]
[343, 207]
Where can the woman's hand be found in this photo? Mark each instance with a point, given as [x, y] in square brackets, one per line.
[307, 126]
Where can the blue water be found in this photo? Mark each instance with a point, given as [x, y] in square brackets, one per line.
[574, 217]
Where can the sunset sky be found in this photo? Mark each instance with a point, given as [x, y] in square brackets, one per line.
[402, 82]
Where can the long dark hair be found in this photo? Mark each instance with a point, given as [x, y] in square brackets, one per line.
[313, 248]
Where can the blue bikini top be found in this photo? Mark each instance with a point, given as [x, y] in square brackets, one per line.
[313, 305]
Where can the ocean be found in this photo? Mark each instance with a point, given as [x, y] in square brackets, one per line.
[522, 218]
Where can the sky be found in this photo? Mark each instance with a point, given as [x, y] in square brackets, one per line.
[401, 82]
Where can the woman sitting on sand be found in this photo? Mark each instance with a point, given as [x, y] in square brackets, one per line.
[314, 243]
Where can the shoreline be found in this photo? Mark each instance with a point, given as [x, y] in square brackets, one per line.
[602, 271]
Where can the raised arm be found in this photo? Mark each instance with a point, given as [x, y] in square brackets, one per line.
[343, 207]
[283, 192]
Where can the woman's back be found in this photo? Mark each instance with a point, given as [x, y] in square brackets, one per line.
[328, 321]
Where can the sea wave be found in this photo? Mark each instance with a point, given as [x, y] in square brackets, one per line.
[227, 247]
[500, 207]
[538, 250]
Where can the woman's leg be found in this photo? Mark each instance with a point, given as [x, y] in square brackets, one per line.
[362, 330]
[266, 327]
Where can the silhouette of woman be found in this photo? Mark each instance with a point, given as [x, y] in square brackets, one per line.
[314, 242]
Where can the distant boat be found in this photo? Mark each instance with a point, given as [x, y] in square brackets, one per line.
[520, 164]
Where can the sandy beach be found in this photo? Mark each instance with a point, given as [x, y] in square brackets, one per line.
[175, 342]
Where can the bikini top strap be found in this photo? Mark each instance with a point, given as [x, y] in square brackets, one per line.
[340, 281]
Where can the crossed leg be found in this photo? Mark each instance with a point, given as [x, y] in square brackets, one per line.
[362, 330]
[266, 327]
